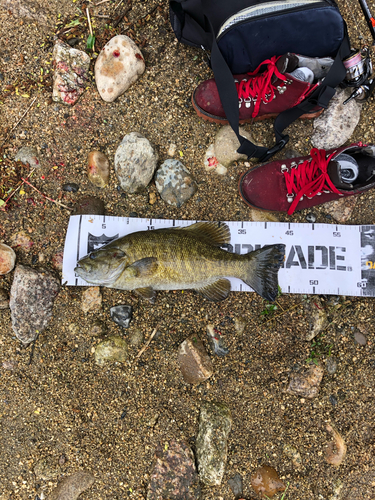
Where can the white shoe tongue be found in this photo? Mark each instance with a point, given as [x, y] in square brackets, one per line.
[348, 168]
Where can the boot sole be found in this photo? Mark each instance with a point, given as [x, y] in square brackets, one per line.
[223, 121]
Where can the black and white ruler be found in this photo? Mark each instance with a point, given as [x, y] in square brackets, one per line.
[320, 258]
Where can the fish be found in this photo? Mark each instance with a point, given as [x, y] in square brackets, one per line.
[182, 258]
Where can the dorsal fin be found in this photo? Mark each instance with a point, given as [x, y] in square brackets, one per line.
[215, 233]
[219, 290]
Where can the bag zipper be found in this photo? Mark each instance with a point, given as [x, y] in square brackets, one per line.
[267, 9]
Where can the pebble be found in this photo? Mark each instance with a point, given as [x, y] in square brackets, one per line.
[331, 365]
[46, 469]
[4, 299]
[290, 153]
[172, 149]
[152, 198]
[240, 324]
[112, 349]
[311, 218]
[316, 315]
[360, 338]
[265, 481]
[211, 163]
[333, 400]
[175, 183]
[98, 169]
[235, 484]
[91, 299]
[336, 449]
[174, 476]
[291, 452]
[7, 259]
[341, 210]
[306, 383]
[135, 162]
[31, 312]
[71, 73]
[22, 240]
[118, 66]
[97, 329]
[70, 187]
[216, 341]
[336, 124]
[136, 338]
[226, 144]
[215, 422]
[195, 363]
[28, 155]
[72, 486]
[89, 205]
[122, 315]
[58, 259]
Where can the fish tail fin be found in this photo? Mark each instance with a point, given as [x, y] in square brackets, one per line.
[262, 275]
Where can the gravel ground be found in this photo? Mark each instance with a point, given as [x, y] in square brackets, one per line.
[61, 411]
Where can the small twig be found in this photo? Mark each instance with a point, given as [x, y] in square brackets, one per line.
[147, 343]
[102, 16]
[20, 120]
[118, 5]
[99, 3]
[15, 190]
[282, 314]
[89, 20]
[44, 196]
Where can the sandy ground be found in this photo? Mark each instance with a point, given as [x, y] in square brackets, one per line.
[59, 408]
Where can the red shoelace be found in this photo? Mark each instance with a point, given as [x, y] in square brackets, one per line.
[260, 87]
[309, 178]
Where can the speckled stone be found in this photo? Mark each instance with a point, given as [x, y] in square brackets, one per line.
[7, 259]
[71, 73]
[112, 349]
[175, 183]
[215, 423]
[119, 65]
[98, 169]
[195, 363]
[135, 162]
[341, 210]
[28, 155]
[306, 383]
[31, 312]
[72, 486]
[336, 124]
[91, 299]
[174, 476]
[331, 365]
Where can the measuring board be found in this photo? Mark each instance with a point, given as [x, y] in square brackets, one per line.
[319, 258]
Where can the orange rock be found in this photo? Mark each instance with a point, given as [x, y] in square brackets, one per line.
[7, 259]
[98, 169]
[266, 481]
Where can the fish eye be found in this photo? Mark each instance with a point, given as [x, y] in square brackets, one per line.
[92, 255]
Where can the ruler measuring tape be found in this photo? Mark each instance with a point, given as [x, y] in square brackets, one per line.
[320, 258]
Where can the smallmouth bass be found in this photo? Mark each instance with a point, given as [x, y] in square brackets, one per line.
[182, 259]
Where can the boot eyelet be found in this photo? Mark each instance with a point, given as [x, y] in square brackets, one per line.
[284, 168]
[289, 197]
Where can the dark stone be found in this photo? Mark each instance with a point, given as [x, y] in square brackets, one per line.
[121, 315]
[70, 187]
[235, 484]
[133, 214]
[333, 400]
[89, 205]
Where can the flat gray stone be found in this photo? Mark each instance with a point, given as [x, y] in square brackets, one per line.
[175, 183]
[112, 349]
[72, 486]
[135, 162]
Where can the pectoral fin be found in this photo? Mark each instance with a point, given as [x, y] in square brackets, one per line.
[216, 291]
[142, 268]
[146, 293]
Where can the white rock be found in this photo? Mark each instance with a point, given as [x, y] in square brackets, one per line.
[226, 145]
[118, 66]
[7, 259]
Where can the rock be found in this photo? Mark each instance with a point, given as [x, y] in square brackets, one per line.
[290, 153]
[121, 315]
[175, 183]
[31, 312]
[152, 198]
[211, 163]
[306, 383]
[118, 66]
[235, 484]
[91, 299]
[112, 349]
[266, 481]
[360, 338]
[22, 240]
[316, 316]
[195, 364]
[71, 73]
[258, 216]
[331, 365]
[294, 455]
[29, 9]
[311, 218]
[216, 341]
[46, 469]
[89, 205]
[341, 210]
[174, 476]
[135, 162]
[57, 260]
[7, 259]
[70, 187]
[136, 337]
[336, 449]
[28, 155]
[240, 324]
[4, 299]
[72, 486]
[98, 169]
[214, 426]
[226, 145]
[172, 149]
[337, 123]
[97, 329]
